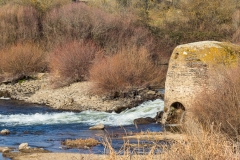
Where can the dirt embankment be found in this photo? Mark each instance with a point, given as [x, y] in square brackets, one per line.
[76, 97]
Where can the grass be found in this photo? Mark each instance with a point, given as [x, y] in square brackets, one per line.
[223, 107]
[201, 144]
[198, 143]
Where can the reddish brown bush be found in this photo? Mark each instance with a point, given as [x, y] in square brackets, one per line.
[18, 23]
[112, 32]
[124, 71]
[22, 60]
[68, 23]
[70, 62]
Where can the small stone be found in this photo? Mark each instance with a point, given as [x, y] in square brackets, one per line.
[151, 92]
[97, 127]
[138, 97]
[6, 150]
[23, 146]
[86, 147]
[146, 120]
[5, 132]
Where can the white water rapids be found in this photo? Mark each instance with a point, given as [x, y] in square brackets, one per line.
[147, 109]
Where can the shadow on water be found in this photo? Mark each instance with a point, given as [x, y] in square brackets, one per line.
[49, 136]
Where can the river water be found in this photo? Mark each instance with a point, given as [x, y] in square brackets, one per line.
[40, 126]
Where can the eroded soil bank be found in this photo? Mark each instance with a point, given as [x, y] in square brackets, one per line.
[76, 97]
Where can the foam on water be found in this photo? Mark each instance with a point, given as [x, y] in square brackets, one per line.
[147, 109]
[5, 98]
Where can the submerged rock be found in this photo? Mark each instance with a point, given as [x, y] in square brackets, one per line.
[158, 117]
[5, 132]
[5, 149]
[4, 94]
[97, 127]
[149, 120]
[23, 152]
[23, 146]
[146, 120]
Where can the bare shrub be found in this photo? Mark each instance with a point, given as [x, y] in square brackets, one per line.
[70, 62]
[18, 24]
[126, 70]
[221, 106]
[22, 60]
[110, 31]
[42, 6]
[68, 23]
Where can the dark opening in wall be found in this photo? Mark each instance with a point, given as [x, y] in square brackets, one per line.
[176, 113]
[178, 105]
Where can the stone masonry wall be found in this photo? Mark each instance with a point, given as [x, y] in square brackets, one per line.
[192, 69]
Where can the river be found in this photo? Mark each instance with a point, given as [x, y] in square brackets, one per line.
[43, 127]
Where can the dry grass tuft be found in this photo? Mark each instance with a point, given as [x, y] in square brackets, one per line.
[221, 106]
[201, 144]
[80, 143]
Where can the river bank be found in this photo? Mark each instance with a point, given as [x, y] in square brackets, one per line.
[75, 97]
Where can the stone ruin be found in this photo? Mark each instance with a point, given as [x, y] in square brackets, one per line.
[193, 68]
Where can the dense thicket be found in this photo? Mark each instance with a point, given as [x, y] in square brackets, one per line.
[115, 26]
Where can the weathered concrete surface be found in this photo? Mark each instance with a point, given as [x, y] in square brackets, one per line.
[194, 68]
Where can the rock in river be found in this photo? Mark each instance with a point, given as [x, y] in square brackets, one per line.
[5, 132]
[23, 146]
[97, 127]
[146, 120]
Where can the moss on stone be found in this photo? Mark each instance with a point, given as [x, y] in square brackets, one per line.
[209, 52]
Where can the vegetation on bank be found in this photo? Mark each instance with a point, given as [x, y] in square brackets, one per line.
[60, 33]
[21, 61]
[112, 26]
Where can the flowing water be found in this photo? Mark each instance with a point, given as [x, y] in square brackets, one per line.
[43, 127]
